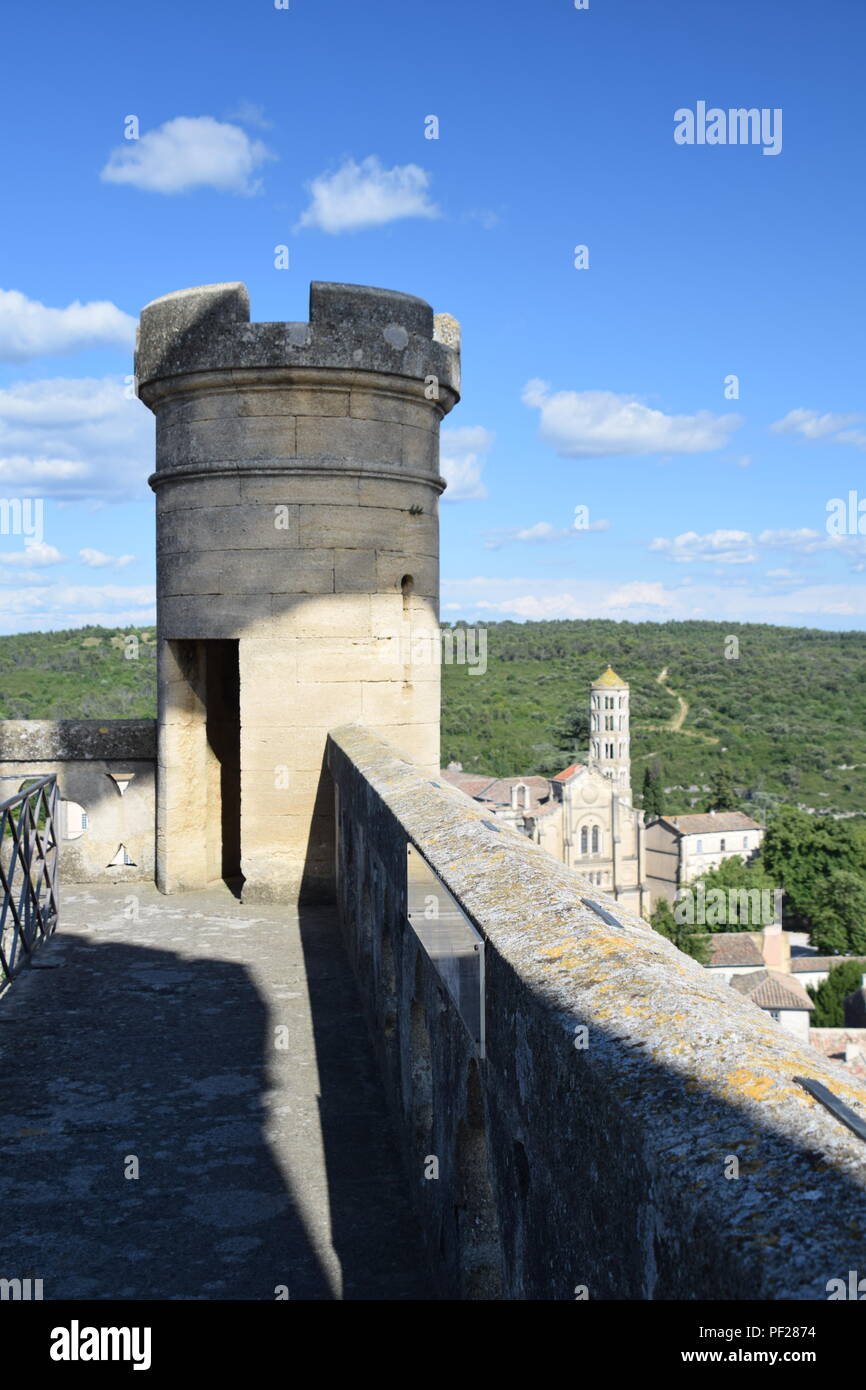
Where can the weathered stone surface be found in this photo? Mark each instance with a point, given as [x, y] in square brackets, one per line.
[352, 327]
[25, 740]
[600, 1165]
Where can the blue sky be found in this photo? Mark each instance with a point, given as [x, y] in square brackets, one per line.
[601, 388]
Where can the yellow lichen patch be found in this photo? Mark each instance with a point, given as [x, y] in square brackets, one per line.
[750, 1083]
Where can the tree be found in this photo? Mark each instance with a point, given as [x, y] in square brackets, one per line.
[735, 878]
[829, 996]
[571, 735]
[653, 800]
[801, 851]
[839, 917]
[723, 797]
[686, 937]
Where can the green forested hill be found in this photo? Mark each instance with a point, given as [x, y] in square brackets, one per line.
[784, 717]
[80, 674]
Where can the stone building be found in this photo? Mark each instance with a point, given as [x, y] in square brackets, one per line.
[584, 815]
[679, 848]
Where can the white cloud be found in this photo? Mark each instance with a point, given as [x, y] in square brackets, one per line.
[601, 424]
[640, 593]
[642, 600]
[97, 559]
[461, 461]
[35, 555]
[367, 195]
[741, 547]
[74, 438]
[812, 425]
[720, 547]
[58, 606]
[189, 152]
[30, 329]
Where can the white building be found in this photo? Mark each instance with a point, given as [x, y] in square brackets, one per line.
[680, 848]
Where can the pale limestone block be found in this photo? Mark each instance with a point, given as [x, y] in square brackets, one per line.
[417, 743]
[317, 705]
[400, 702]
[264, 748]
[321, 615]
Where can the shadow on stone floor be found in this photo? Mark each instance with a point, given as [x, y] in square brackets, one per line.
[261, 1160]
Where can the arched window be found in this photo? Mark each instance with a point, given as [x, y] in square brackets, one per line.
[595, 839]
[584, 840]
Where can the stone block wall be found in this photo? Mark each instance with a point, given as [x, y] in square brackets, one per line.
[592, 1154]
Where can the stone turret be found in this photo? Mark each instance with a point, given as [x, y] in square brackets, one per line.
[297, 485]
[609, 730]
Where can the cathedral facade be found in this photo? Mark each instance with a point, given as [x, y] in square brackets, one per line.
[584, 815]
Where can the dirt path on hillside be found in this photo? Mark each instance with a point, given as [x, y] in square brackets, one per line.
[675, 725]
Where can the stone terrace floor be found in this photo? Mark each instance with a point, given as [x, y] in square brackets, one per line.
[153, 1036]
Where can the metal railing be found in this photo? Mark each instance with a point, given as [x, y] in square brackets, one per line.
[29, 872]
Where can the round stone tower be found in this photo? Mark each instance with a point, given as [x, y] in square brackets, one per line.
[609, 730]
[297, 486]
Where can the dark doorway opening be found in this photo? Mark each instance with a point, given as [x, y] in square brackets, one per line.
[223, 704]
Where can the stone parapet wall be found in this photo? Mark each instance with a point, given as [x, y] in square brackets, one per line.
[565, 1168]
[87, 756]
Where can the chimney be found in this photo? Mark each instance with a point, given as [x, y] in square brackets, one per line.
[775, 948]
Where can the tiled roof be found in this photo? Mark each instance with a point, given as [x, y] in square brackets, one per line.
[803, 964]
[770, 989]
[734, 948]
[568, 772]
[608, 678]
[702, 824]
[496, 791]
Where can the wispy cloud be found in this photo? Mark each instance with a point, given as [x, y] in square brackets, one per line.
[720, 547]
[367, 195]
[602, 424]
[186, 153]
[540, 534]
[74, 438]
[30, 329]
[462, 459]
[97, 559]
[639, 600]
[812, 425]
